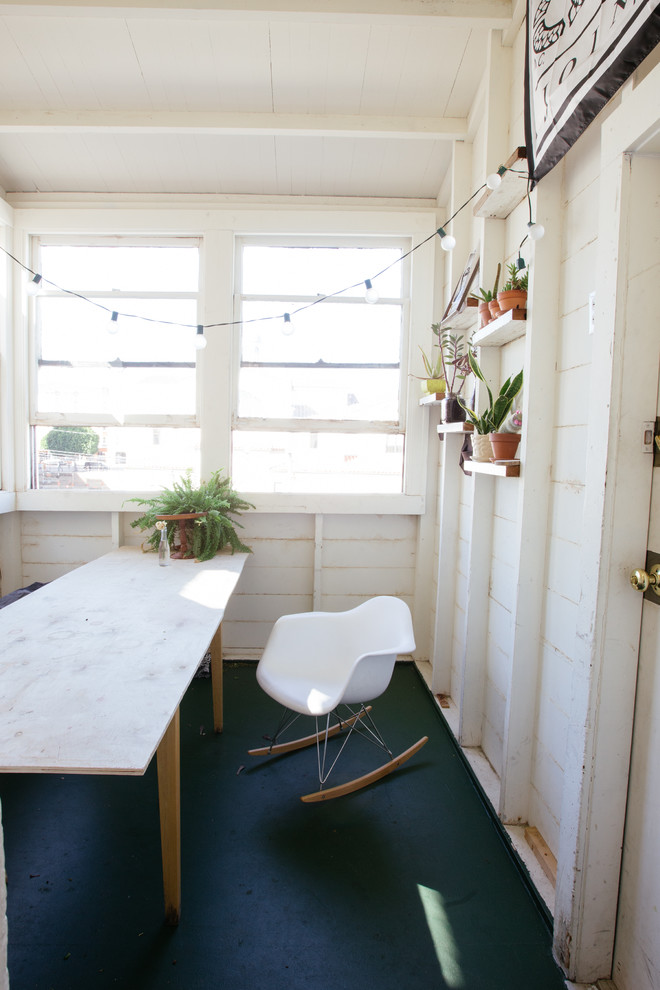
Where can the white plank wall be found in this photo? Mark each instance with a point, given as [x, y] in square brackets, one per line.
[340, 559]
[55, 542]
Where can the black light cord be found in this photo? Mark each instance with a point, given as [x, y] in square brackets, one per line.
[261, 319]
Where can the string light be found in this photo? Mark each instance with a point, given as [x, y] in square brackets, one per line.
[447, 243]
[371, 295]
[535, 231]
[494, 180]
[33, 285]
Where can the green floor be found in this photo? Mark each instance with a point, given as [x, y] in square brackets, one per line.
[407, 885]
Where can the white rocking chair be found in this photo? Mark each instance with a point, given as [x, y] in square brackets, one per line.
[315, 662]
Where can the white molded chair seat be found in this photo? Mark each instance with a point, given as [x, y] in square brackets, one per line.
[315, 661]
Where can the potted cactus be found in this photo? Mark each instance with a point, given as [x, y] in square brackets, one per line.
[487, 298]
[513, 294]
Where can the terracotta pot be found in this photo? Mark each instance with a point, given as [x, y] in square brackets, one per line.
[494, 308]
[504, 445]
[484, 314]
[512, 299]
[451, 411]
[183, 519]
[481, 447]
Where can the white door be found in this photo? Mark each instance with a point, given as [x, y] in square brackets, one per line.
[637, 942]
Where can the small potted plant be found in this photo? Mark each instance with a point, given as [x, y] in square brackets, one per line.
[454, 350]
[487, 298]
[513, 294]
[433, 378]
[199, 519]
[487, 426]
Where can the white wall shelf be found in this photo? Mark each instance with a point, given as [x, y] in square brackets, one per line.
[507, 327]
[499, 203]
[464, 320]
[455, 428]
[487, 467]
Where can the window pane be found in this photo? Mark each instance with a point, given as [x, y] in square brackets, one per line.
[312, 271]
[354, 333]
[311, 393]
[94, 268]
[117, 391]
[317, 462]
[115, 459]
[90, 374]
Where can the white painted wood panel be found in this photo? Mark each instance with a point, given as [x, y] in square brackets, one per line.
[569, 455]
[545, 797]
[559, 623]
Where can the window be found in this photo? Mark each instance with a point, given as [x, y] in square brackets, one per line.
[113, 402]
[320, 399]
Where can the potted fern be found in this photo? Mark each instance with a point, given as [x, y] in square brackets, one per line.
[200, 520]
[487, 426]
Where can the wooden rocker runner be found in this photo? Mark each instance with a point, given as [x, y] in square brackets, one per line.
[322, 664]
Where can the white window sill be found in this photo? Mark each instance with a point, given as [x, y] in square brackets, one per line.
[95, 501]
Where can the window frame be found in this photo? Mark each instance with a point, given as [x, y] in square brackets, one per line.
[217, 225]
[92, 418]
[398, 427]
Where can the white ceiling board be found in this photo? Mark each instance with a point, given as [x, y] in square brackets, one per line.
[208, 164]
[205, 98]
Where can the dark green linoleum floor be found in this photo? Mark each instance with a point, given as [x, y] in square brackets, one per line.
[407, 885]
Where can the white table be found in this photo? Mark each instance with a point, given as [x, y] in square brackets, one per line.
[93, 667]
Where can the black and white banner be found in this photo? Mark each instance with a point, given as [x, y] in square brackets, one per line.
[579, 52]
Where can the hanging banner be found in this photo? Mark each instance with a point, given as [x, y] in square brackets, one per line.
[579, 52]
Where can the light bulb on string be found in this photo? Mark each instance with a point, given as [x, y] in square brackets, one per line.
[371, 295]
[447, 242]
[535, 230]
[200, 339]
[34, 285]
[112, 326]
[287, 326]
[520, 263]
[494, 180]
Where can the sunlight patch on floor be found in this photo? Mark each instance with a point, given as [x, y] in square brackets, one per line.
[443, 939]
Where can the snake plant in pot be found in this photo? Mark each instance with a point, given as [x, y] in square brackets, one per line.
[488, 425]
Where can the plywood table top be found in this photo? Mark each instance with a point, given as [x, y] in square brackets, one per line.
[93, 666]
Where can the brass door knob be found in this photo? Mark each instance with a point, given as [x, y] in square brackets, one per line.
[643, 580]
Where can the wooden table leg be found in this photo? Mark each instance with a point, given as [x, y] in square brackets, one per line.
[216, 678]
[169, 798]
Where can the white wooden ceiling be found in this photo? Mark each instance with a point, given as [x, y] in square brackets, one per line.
[305, 97]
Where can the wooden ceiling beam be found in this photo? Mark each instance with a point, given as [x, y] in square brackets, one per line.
[201, 122]
[484, 14]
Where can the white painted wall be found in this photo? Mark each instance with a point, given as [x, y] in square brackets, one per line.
[542, 562]
[486, 557]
